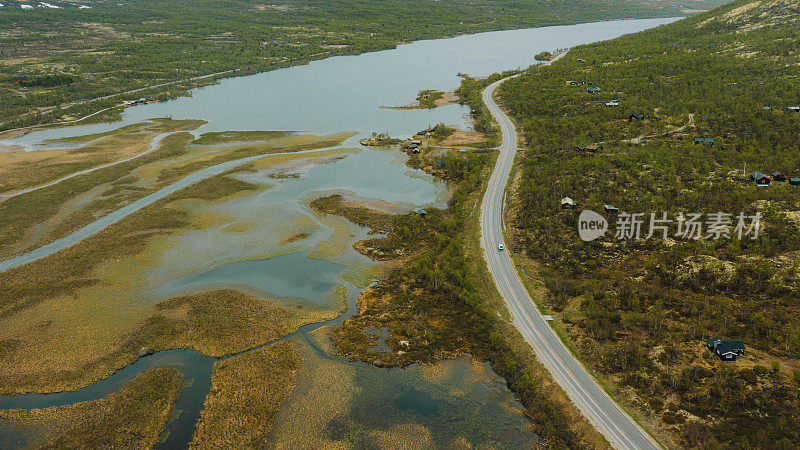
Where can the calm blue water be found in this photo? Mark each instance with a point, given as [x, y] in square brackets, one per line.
[293, 276]
[345, 93]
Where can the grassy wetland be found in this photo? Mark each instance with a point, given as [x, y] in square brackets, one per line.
[132, 418]
[103, 280]
[453, 403]
[246, 393]
[24, 169]
[39, 217]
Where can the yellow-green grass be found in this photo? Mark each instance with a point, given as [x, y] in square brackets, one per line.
[26, 213]
[23, 169]
[215, 188]
[28, 219]
[222, 322]
[224, 137]
[81, 324]
[132, 418]
[214, 323]
[325, 390]
[246, 394]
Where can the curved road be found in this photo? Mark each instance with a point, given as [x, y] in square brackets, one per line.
[601, 411]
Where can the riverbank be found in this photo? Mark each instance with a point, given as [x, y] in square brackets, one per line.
[428, 308]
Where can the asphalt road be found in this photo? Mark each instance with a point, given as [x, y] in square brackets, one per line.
[601, 411]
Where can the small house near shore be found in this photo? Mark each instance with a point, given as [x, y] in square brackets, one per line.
[726, 349]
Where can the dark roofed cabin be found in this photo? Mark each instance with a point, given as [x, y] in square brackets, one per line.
[794, 181]
[635, 116]
[726, 349]
[760, 179]
[777, 176]
[705, 141]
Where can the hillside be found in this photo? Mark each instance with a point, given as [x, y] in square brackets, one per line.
[639, 310]
[70, 54]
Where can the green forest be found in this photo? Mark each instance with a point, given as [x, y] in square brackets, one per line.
[639, 311]
[119, 46]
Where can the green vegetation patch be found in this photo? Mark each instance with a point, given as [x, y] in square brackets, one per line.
[23, 213]
[224, 137]
[639, 311]
[428, 98]
[405, 233]
[215, 188]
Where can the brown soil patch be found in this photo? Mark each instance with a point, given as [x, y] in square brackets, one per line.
[463, 138]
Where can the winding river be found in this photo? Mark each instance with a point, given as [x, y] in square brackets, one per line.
[324, 97]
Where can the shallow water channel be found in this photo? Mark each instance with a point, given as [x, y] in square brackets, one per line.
[324, 97]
